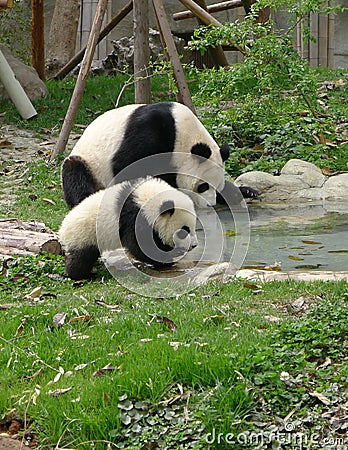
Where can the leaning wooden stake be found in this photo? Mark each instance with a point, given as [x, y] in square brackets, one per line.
[81, 79]
[105, 31]
[172, 55]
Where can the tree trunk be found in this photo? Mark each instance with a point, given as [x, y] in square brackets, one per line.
[63, 31]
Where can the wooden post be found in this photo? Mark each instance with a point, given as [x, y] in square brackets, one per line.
[81, 79]
[172, 55]
[37, 37]
[105, 31]
[141, 51]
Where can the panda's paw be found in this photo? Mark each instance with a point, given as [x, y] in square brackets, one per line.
[249, 192]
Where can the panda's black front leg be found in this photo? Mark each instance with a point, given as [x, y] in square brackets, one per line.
[230, 194]
[79, 262]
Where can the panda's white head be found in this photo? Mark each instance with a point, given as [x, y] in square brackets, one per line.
[203, 173]
[172, 218]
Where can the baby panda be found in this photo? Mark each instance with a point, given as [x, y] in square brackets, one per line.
[151, 220]
[165, 140]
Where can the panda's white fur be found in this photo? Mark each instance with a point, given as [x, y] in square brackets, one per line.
[130, 133]
[129, 214]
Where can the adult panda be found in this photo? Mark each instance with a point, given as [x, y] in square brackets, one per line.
[165, 139]
[154, 222]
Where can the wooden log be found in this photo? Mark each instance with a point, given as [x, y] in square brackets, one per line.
[27, 238]
[105, 31]
[81, 80]
[210, 8]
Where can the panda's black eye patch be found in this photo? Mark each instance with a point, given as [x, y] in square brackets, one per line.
[183, 232]
[202, 188]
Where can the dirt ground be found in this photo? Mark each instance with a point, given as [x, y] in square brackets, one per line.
[18, 148]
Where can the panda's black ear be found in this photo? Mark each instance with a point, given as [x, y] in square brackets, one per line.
[167, 207]
[225, 152]
[201, 150]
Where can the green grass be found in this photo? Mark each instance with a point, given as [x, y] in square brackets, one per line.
[217, 369]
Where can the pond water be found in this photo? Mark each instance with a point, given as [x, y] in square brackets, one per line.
[291, 238]
[303, 237]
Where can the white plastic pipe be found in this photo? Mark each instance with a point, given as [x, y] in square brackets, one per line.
[15, 91]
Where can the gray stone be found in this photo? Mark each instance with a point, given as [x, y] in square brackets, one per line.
[336, 187]
[122, 57]
[261, 181]
[27, 76]
[309, 173]
[299, 181]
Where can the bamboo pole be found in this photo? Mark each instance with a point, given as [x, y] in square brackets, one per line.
[313, 45]
[299, 37]
[81, 79]
[210, 8]
[331, 40]
[142, 82]
[105, 31]
[172, 55]
[15, 91]
[323, 40]
[37, 37]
